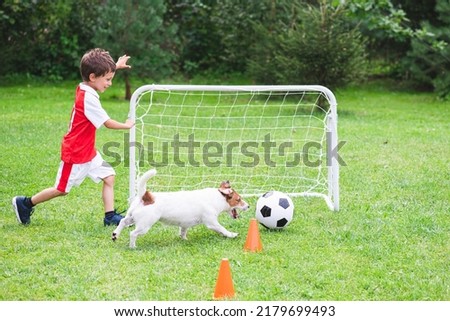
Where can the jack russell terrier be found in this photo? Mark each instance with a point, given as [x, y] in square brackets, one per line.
[184, 209]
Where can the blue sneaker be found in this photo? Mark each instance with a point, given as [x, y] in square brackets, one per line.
[113, 219]
[22, 211]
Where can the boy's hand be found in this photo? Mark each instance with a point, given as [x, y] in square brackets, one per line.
[129, 123]
[122, 62]
[113, 124]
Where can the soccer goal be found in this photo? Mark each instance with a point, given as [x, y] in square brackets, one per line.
[260, 138]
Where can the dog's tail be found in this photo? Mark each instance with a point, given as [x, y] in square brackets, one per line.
[143, 181]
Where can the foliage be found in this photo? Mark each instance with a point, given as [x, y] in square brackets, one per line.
[411, 37]
[388, 26]
[429, 60]
[417, 11]
[197, 48]
[44, 37]
[265, 44]
[215, 35]
[16, 55]
[311, 45]
[137, 28]
[234, 20]
[381, 18]
[164, 37]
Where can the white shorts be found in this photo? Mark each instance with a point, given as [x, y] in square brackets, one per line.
[70, 175]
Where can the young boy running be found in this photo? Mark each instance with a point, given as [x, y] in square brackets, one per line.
[79, 158]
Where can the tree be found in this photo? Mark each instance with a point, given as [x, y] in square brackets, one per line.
[308, 45]
[234, 20]
[418, 11]
[429, 60]
[386, 28]
[137, 28]
[391, 25]
[45, 37]
[16, 36]
[413, 37]
[215, 35]
[198, 48]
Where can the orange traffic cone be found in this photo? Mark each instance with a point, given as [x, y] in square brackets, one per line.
[224, 285]
[253, 242]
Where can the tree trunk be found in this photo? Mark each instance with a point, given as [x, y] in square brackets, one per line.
[127, 86]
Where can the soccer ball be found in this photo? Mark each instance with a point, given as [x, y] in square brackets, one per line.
[274, 210]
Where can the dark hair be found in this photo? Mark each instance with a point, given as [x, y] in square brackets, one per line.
[97, 61]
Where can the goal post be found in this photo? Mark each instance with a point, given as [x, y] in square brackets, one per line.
[260, 138]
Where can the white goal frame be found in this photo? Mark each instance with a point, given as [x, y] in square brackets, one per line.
[331, 196]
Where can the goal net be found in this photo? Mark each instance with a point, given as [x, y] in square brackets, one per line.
[260, 138]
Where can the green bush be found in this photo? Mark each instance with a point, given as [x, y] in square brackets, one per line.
[317, 46]
[45, 38]
[137, 28]
[428, 61]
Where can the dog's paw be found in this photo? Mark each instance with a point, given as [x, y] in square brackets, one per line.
[114, 237]
[232, 235]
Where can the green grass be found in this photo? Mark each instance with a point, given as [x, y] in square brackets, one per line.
[389, 241]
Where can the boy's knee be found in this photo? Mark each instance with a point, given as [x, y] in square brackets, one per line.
[58, 193]
[109, 180]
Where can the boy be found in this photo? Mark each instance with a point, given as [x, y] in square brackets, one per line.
[79, 158]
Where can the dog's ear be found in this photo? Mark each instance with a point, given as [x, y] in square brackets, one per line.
[148, 198]
[227, 192]
[225, 184]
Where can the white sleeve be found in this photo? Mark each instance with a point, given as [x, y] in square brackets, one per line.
[94, 110]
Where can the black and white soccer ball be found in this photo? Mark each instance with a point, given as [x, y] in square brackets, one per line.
[274, 210]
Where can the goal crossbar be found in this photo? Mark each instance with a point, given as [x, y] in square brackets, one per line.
[291, 115]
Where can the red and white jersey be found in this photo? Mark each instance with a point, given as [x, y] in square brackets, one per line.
[78, 145]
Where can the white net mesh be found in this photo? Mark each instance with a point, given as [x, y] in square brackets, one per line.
[260, 139]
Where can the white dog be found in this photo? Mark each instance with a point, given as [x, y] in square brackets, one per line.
[184, 209]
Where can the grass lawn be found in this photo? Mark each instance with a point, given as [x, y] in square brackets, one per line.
[389, 241]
